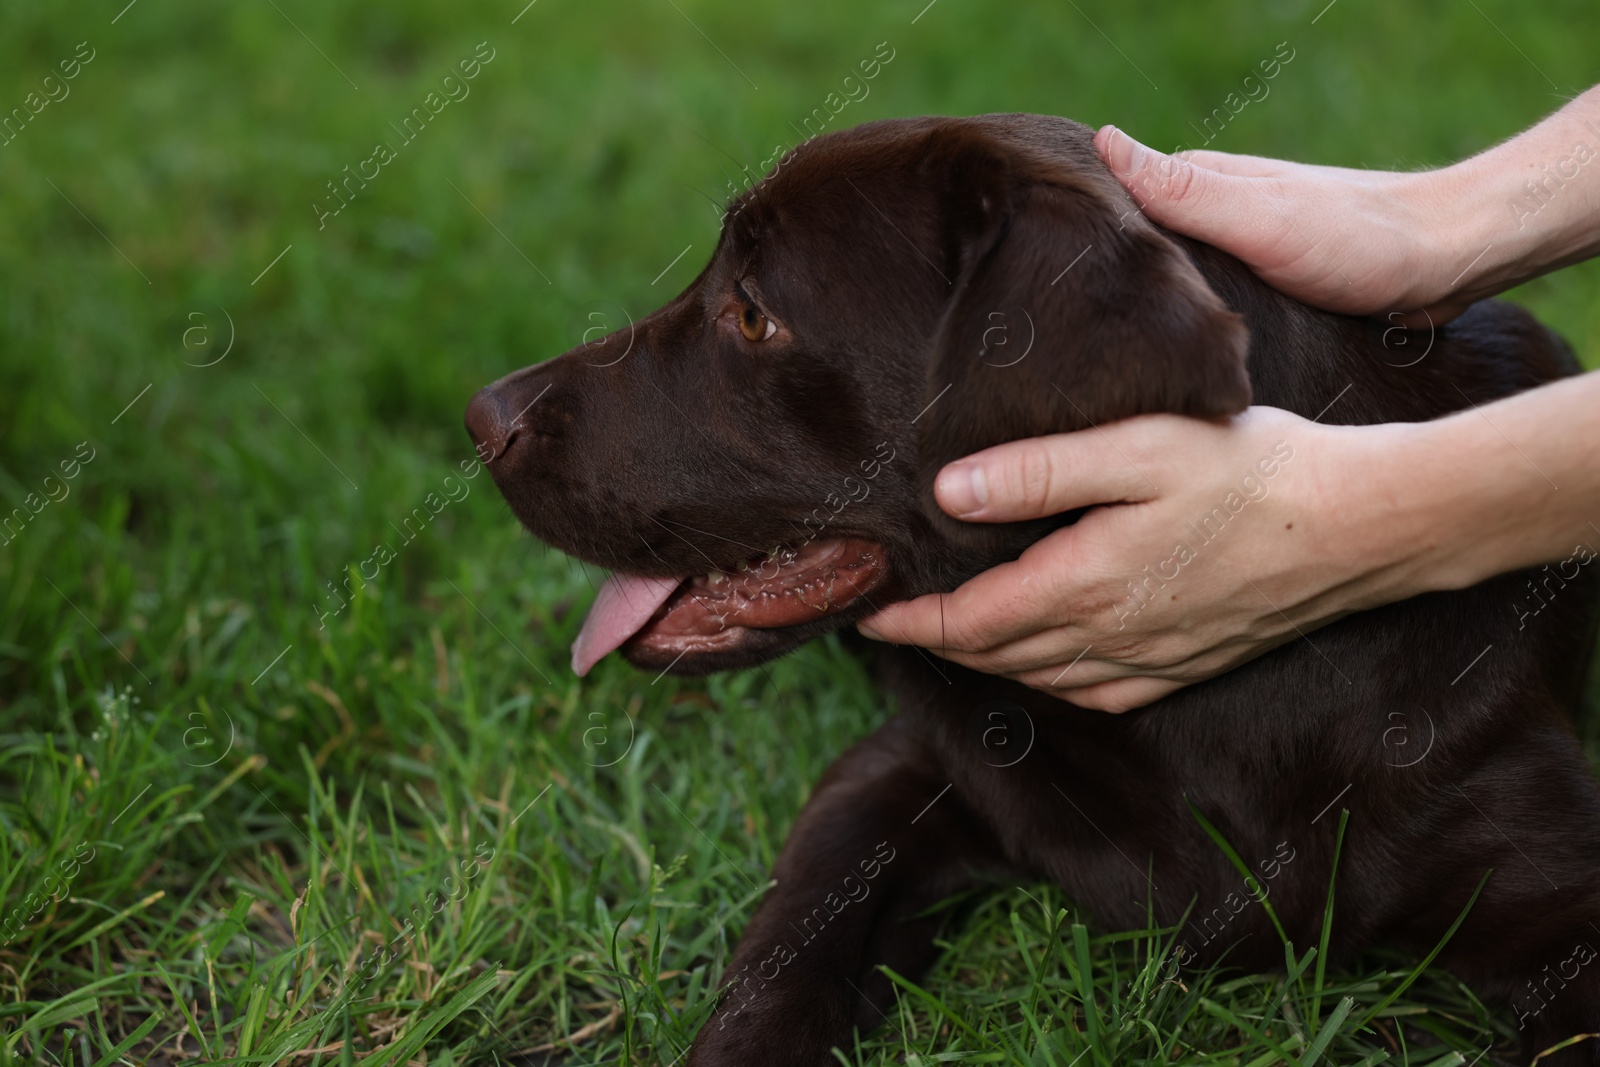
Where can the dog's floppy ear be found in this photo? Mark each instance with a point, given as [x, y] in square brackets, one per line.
[1070, 308]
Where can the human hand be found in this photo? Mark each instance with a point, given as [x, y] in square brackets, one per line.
[1354, 241]
[1213, 543]
[1424, 244]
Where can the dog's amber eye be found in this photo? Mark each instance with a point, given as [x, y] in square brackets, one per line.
[754, 325]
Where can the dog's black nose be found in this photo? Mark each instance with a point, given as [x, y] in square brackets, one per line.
[491, 424]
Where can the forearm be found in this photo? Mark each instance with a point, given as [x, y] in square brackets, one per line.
[1522, 208]
[1505, 485]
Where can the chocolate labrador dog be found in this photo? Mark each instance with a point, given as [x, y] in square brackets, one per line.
[754, 462]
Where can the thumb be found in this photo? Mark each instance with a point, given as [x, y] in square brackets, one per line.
[1174, 190]
[1041, 476]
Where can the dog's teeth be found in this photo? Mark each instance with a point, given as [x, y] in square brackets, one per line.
[716, 580]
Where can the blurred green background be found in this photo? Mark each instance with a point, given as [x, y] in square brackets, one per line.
[265, 799]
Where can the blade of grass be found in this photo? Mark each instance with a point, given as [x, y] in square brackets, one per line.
[1239, 865]
[1329, 1031]
[934, 1003]
[1327, 921]
[138, 1035]
[1232, 1018]
[1091, 1012]
[1428, 960]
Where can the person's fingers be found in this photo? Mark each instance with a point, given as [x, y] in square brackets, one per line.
[1242, 166]
[1048, 659]
[963, 624]
[1238, 165]
[1073, 668]
[923, 622]
[1004, 603]
[1211, 205]
[1435, 314]
[1041, 476]
[1123, 694]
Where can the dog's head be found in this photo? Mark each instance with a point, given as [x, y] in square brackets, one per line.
[755, 460]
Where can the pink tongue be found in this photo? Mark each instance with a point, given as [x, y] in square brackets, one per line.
[624, 605]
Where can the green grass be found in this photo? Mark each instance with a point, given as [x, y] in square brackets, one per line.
[248, 806]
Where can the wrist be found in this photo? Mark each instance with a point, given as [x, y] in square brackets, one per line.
[1520, 209]
[1394, 482]
[1465, 502]
[1407, 511]
[1460, 214]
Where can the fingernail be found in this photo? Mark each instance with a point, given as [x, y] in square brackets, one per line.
[866, 630]
[962, 489]
[1127, 156]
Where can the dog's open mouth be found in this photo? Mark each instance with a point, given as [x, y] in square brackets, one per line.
[714, 612]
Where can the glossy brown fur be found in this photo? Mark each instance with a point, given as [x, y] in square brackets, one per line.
[885, 251]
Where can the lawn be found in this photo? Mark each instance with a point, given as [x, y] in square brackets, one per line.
[258, 805]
